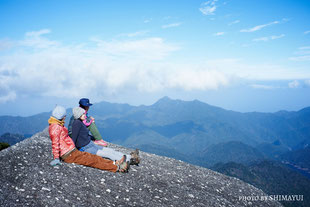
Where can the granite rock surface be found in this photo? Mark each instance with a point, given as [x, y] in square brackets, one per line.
[27, 179]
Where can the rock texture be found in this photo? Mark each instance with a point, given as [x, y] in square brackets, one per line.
[27, 179]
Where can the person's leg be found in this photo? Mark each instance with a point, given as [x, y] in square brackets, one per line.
[90, 160]
[94, 131]
[104, 152]
[111, 154]
[96, 134]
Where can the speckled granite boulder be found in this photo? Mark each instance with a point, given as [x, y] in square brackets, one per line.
[27, 179]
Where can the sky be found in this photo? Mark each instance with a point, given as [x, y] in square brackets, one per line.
[236, 54]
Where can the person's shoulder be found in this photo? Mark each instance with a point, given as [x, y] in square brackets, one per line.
[53, 128]
[54, 125]
[72, 118]
[77, 122]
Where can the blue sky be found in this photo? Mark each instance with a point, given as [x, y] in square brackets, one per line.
[240, 55]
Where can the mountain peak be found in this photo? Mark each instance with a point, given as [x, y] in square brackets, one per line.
[27, 179]
[164, 99]
[164, 102]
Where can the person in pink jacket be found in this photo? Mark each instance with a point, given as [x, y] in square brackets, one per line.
[63, 147]
[89, 122]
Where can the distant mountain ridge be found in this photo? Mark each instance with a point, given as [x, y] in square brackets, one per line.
[193, 126]
[185, 128]
[11, 138]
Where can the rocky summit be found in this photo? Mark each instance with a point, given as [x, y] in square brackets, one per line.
[27, 179]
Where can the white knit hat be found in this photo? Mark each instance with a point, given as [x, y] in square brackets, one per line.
[78, 112]
[59, 112]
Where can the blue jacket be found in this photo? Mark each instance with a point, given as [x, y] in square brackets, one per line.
[80, 134]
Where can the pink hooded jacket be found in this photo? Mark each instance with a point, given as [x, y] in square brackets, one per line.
[61, 142]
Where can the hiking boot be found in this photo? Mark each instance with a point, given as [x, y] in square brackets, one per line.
[135, 158]
[124, 167]
[123, 159]
[101, 143]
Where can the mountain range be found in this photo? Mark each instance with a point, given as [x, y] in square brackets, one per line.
[192, 131]
[192, 126]
[249, 146]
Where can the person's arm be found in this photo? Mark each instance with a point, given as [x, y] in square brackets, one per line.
[55, 137]
[76, 127]
[70, 125]
[88, 121]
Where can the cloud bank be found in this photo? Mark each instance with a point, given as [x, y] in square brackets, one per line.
[39, 66]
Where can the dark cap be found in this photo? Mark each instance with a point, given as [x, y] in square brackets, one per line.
[85, 102]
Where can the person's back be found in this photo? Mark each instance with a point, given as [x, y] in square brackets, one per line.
[80, 135]
[61, 142]
[70, 126]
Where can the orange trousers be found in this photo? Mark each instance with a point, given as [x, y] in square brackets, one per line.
[90, 160]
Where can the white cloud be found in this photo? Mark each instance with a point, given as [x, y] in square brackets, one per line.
[277, 37]
[135, 34]
[101, 68]
[5, 44]
[274, 37]
[300, 58]
[219, 33]
[307, 32]
[197, 79]
[208, 7]
[11, 96]
[261, 39]
[147, 21]
[5, 93]
[303, 54]
[304, 48]
[167, 17]
[234, 22]
[149, 49]
[35, 39]
[294, 84]
[109, 67]
[261, 86]
[264, 72]
[171, 25]
[286, 20]
[259, 27]
[37, 33]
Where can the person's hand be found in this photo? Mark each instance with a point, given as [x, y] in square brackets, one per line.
[92, 118]
[55, 162]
